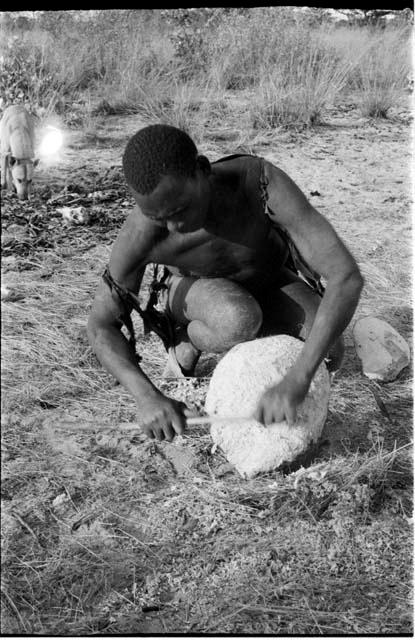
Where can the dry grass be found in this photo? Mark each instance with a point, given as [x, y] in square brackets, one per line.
[147, 62]
[104, 534]
[303, 82]
[382, 73]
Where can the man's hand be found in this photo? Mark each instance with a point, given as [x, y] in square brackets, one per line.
[162, 418]
[280, 402]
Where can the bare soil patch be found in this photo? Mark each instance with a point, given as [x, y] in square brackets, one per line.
[105, 532]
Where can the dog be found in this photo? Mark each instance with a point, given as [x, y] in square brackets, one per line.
[17, 136]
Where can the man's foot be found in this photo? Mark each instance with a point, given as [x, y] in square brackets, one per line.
[172, 368]
[182, 358]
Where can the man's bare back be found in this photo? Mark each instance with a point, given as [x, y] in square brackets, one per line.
[217, 228]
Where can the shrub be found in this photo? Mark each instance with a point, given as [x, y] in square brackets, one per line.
[381, 75]
[148, 60]
[24, 76]
[308, 77]
[245, 44]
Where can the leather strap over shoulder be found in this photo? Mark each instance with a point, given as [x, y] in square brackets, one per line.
[294, 261]
[125, 298]
[153, 320]
[263, 184]
[233, 156]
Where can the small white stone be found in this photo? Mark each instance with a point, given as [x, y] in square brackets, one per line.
[74, 215]
[5, 292]
[60, 500]
[235, 389]
[10, 295]
[381, 350]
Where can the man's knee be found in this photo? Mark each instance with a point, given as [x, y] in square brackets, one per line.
[238, 322]
[219, 313]
[229, 322]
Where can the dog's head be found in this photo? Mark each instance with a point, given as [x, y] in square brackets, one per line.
[22, 175]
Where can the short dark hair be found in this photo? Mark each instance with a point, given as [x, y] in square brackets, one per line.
[156, 151]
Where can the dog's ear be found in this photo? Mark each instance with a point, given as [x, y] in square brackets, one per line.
[12, 160]
[203, 164]
[35, 162]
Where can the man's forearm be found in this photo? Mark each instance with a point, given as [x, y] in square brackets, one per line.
[117, 356]
[333, 315]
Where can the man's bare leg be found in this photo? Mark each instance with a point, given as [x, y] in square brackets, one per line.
[214, 313]
[291, 309]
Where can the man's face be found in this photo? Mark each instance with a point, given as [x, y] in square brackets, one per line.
[178, 203]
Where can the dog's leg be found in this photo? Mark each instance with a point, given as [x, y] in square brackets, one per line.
[10, 181]
[4, 169]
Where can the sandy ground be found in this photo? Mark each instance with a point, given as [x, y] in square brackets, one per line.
[356, 172]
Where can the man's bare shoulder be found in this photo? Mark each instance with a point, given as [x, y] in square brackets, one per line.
[251, 169]
[284, 193]
[312, 233]
[133, 246]
[240, 176]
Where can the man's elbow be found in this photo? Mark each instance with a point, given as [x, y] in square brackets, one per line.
[348, 279]
[358, 279]
[92, 330]
[98, 328]
[355, 281]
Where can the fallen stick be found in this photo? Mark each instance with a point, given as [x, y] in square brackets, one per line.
[196, 420]
[192, 421]
[62, 196]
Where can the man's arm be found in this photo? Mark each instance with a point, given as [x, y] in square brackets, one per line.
[160, 417]
[322, 248]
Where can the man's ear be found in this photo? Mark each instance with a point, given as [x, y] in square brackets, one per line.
[203, 164]
[35, 162]
[12, 160]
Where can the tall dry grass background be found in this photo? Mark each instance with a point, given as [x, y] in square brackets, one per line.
[101, 533]
[166, 64]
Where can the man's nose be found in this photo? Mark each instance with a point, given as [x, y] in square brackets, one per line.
[172, 226]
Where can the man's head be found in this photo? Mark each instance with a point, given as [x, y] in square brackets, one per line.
[167, 177]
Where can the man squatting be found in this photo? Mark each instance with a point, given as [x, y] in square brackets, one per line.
[243, 251]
